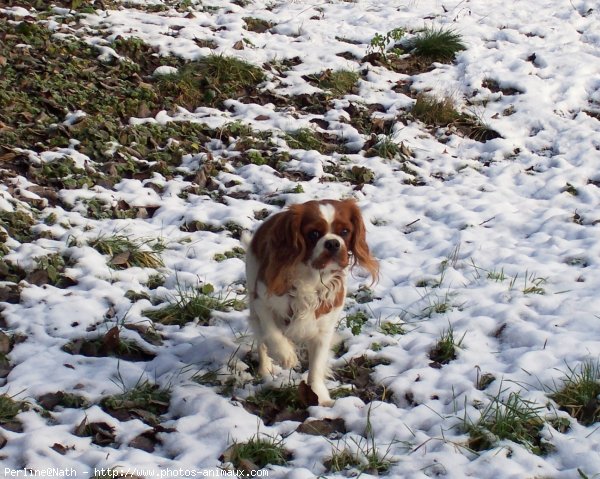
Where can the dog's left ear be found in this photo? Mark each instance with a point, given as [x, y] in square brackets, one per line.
[358, 243]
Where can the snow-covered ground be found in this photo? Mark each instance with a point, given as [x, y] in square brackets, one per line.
[498, 241]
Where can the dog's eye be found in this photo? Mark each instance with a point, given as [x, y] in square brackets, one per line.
[344, 233]
[314, 235]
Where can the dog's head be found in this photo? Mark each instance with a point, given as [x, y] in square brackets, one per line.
[327, 235]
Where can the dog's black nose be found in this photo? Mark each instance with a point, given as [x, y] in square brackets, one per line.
[332, 245]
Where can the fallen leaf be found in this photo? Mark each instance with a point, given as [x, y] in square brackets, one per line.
[120, 259]
[5, 366]
[39, 277]
[323, 427]
[307, 396]
[101, 433]
[146, 441]
[4, 343]
[110, 341]
[50, 400]
[60, 448]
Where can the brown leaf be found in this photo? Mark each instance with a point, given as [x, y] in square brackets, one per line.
[320, 122]
[80, 430]
[120, 259]
[45, 192]
[61, 449]
[14, 425]
[405, 151]
[144, 111]
[288, 415]
[307, 396]
[9, 155]
[90, 349]
[5, 366]
[74, 347]
[122, 415]
[227, 455]
[4, 343]
[51, 400]
[146, 441]
[323, 427]
[10, 293]
[123, 205]
[39, 277]
[101, 433]
[201, 178]
[243, 464]
[110, 341]
[144, 416]
[378, 123]
[247, 466]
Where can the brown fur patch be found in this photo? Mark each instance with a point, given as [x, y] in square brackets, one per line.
[325, 308]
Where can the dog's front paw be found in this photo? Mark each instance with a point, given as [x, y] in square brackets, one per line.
[322, 393]
[265, 368]
[285, 355]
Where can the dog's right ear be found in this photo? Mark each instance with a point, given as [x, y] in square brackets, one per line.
[288, 236]
[280, 246]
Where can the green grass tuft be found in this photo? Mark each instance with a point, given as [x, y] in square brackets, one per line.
[257, 453]
[144, 395]
[211, 80]
[305, 139]
[343, 459]
[438, 45]
[364, 456]
[193, 304]
[444, 350]
[514, 419]
[126, 253]
[338, 82]
[386, 147]
[285, 394]
[9, 408]
[579, 392]
[435, 111]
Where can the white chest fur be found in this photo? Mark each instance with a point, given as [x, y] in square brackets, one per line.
[295, 312]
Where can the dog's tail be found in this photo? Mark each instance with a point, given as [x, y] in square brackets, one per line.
[246, 239]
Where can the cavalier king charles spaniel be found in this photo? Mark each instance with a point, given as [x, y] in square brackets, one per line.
[296, 265]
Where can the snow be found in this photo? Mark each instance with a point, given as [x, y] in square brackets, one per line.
[502, 206]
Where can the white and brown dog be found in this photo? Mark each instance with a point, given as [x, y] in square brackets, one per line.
[296, 266]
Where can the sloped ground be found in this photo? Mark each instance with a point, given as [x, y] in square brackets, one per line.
[139, 139]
